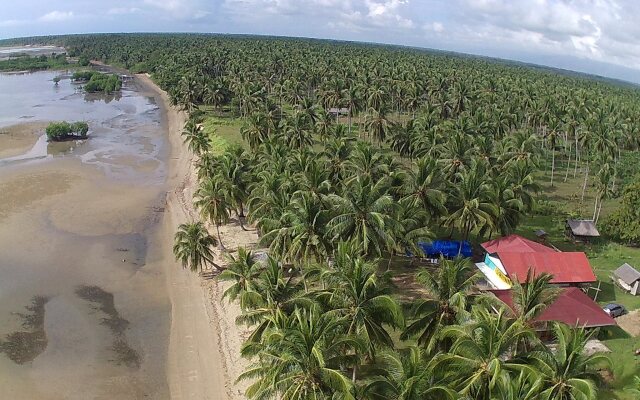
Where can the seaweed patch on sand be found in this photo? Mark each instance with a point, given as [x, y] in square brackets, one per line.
[24, 346]
[103, 301]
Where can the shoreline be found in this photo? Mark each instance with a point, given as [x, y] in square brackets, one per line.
[204, 342]
[19, 138]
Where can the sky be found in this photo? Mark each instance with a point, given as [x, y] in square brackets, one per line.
[594, 36]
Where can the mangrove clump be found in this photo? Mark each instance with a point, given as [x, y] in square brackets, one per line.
[60, 131]
[98, 82]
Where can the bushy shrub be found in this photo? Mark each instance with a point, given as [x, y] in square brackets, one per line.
[624, 223]
[57, 131]
[83, 61]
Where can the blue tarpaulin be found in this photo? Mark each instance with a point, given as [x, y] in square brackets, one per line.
[446, 248]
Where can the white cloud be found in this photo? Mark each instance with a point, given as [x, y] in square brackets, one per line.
[182, 9]
[436, 27]
[597, 30]
[590, 29]
[168, 5]
[351, 15]
[122, 10]
[55, 16]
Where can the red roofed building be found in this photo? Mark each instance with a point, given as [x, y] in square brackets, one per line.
[572, 307]
[515, 243]
[566, 267]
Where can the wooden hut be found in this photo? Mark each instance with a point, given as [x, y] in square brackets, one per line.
[627, 278]
[582, 230]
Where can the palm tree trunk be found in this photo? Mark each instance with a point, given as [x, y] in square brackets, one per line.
[575, 167]
[241, 224]
[553, 164]
[219, 237]
[615, 169]
[586, 178]
[599, 210]
[595, 208]
[566, 175]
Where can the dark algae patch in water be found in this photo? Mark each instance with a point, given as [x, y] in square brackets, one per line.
[103, 301]
[24, 346]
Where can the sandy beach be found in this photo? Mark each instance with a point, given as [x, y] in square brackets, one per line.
[204, 347]
[89, 281]
[17, 139]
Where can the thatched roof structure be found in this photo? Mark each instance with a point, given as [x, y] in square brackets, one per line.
[583, 227]
[627, 274]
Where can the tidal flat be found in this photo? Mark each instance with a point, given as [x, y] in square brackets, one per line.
[84, 308]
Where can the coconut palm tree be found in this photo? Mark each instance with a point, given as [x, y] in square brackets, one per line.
[471, 207]
[359, 295]
[480, 355]
[568, 372]
[193, 246]
[552, 138]
[271, 295]
[364, 215]
[301, 231]
[523, 386]
[406, 375]
[412, 228]
[233, 174]
[297, 130]
[195, 138]
[368, 161]
[255, 130]
[337, 153]
[423, 187]
[445, 301]
[212, 200]
[377, 125]
[243, 272]
[302, 361]
[532, 295]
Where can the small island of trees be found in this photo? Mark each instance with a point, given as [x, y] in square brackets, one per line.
[98, 82]
[60, 131]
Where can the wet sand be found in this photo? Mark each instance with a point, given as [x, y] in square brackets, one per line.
[84, 305]
[122, 320]
[204, 347]
[18, 139]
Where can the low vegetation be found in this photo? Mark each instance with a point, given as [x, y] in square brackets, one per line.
[60, 131]
[95, 81]
[624, 223]
[28, 63]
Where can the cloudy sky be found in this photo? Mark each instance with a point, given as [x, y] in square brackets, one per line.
[597, 36]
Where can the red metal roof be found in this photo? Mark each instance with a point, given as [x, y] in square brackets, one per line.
[572, 307]
[566, 267]
[515, 243]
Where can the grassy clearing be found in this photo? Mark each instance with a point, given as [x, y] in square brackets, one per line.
[604, 257]
[223, 131]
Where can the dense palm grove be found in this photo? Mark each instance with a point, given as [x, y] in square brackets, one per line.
[353, 154]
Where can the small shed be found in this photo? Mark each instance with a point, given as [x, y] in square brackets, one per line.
[582, 230]
[628, 278]
[339, 111]
[541, 234]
